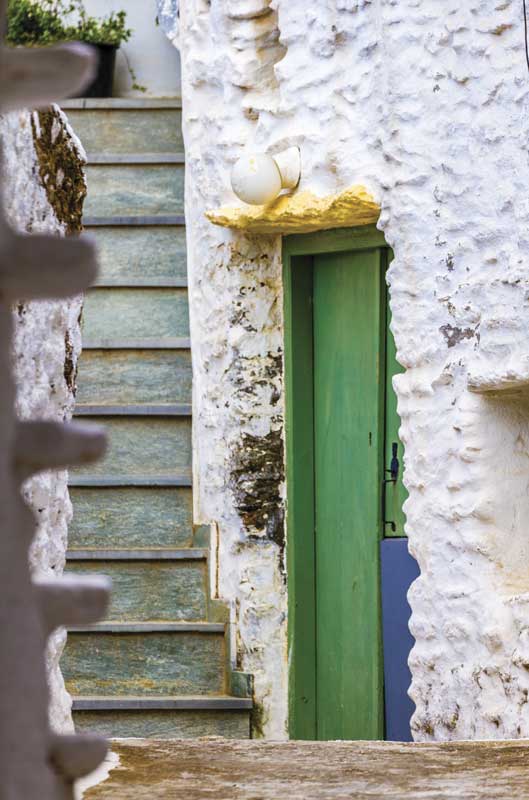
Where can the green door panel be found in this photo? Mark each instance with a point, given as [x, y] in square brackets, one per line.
[300, 507]
[348, 441]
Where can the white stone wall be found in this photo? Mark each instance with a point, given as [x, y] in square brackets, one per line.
[426, 103]
[155, 63]
[47, 344]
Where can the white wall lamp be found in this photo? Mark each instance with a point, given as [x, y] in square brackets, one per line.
[258, 178]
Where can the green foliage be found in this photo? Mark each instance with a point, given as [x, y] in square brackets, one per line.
[45, 22]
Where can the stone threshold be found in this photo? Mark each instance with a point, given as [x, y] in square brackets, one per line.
[197, 769]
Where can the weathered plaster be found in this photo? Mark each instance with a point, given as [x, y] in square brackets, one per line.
[426, 104]
[44, 190]
[301, 212]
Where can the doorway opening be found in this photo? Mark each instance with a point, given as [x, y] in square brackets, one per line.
[348, 564]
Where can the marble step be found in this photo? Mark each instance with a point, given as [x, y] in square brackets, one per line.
[134, 190]
[114, 129]
[141, 256]
[131, 517]
[134, 376]
[146, 659]
[151, 584]
[164, 718]
[150, 448]
[135, 313]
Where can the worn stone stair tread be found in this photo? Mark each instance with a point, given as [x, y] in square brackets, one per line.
[143, 446]
[139, 312]
[148, 283]
[136, 410]
[149, 587]
[120, 189]
[132, 517]
[134, 378]
[97, 481]
[125, 103]
[135, 158]
[144, 220]
[173, 343]
[181, 702]
[150, 627]
[160, 554]
[141, 255]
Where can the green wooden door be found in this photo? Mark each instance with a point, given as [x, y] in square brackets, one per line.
[347, 451]
[341, 422]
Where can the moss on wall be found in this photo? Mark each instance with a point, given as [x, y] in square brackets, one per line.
[60, 168]
[256, 478]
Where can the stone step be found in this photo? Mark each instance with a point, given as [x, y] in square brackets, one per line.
[139, 344]
[142, 447]
[134, 221]
[149, 585]
[141, 256]
[133, 410]
[180, 478]
[128, 130]
[132, 516]
[146, 659]
[134, 376]
[135, 158]
[134, 190]
[135, 313]
[163, 718]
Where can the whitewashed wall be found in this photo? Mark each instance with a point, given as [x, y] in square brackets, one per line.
[155, 62]
[47, 336]
[427, 105]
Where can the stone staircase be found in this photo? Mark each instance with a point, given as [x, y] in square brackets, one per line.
[159, 665]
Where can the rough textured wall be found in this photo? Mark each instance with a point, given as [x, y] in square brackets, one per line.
[44, 192]
[236, 307]
[426, 104]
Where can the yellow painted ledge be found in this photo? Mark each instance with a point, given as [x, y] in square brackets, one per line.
[301, 212]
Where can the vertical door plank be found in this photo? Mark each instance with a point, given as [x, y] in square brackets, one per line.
[349, 383]
[300, 508]
[395, 493]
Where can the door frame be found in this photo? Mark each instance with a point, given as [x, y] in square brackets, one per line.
[300, 468]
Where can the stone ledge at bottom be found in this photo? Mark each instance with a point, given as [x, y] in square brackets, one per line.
[245, 770]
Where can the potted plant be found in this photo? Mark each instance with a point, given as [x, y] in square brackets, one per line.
[45, 22]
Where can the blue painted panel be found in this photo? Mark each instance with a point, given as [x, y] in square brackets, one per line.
[398, 571]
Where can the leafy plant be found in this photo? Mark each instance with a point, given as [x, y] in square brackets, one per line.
[39, 23]
[49, 21]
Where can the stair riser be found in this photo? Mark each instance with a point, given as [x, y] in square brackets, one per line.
[133, 131]
[143, 446]
[140, 254]
[131, 517]
[129, 377]
[134, 190]
[145, 664]
[143, 591]
[135, 313]
[164, 724]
